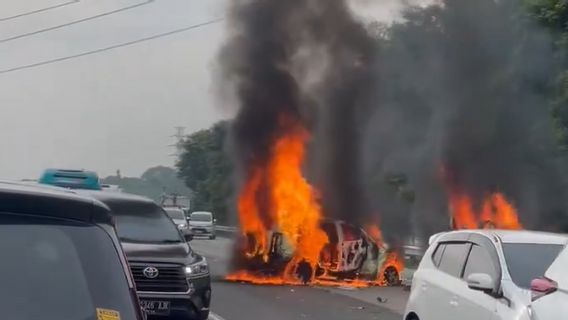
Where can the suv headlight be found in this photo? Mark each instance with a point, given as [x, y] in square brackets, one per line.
[197, 269]
[182, 226]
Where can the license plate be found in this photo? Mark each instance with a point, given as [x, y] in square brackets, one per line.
[199, 231]
[152, 307]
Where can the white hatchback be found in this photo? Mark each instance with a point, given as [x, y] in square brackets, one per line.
[480, 274]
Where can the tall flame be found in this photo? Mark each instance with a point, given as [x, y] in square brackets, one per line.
[495, 211]
[292, 206]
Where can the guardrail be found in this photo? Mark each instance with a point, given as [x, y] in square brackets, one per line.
[226, 229]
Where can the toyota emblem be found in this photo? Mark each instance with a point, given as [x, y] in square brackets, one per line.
[151, 272]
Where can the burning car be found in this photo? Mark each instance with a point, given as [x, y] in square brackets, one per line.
[350, 254]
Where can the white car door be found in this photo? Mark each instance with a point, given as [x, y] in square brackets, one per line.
[451, 285]
[435, 289]
[475, 304]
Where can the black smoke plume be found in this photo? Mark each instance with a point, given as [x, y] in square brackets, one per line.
[312, 62]
[463, 105]
[454, 95]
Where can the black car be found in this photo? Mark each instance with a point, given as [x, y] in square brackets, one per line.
[171, 280]
[61, 258]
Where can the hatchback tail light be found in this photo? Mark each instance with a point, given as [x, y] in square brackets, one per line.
[541, 287]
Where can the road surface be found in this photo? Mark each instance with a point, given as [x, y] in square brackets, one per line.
[237, 301]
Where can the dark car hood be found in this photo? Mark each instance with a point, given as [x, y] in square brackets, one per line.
[167, 253]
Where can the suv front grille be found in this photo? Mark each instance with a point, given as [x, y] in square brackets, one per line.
[171, 278]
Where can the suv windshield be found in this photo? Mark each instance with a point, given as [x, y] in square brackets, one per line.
[527, 261]
[53, 270]
[175, 213]
[201, 216]
[144, 222]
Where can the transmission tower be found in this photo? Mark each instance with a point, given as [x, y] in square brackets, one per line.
[179, 136]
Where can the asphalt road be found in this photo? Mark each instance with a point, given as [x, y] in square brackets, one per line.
[237, 301]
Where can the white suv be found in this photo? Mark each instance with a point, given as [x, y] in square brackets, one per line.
[480, 274]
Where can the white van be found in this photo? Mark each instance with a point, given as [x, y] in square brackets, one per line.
[202, 223]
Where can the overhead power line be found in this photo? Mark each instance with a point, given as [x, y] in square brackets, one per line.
[92, 52]
[108, 13]
[39, 10]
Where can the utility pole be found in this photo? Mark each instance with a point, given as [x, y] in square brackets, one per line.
[179, 136]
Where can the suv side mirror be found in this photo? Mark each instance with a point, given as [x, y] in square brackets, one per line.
[481, 282]
[188, 237]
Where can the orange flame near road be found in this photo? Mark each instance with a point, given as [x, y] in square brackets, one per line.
[495, 212]
[393, 260]
[292, 207]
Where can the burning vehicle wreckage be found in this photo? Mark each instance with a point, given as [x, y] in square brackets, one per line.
[292, 242]
[350, 257]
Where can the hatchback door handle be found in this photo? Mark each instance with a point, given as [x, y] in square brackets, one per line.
[453, 303]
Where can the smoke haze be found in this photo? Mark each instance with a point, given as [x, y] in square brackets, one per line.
[452, 97]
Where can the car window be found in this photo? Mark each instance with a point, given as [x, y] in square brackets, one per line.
[453, 258]
[527, 261]
[175, 214]
[145, 223]
[411, 261]
[201, 216]
[350, 233]
[480, 261]
[437, 256]
[59, 271]
[331, 231]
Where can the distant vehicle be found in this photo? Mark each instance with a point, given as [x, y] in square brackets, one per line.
[179, 218]
[175, 200]
[172, 280]
[412, 257]
[71, 179]
[61, 258]
[480, 274]
[111, 188]
[550, 292]
[202, 223]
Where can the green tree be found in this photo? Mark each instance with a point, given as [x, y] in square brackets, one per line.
[205, 168]
[553, 15]
[152, 184]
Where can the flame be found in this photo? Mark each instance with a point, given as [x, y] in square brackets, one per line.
[393, 260]
[495, 212]
[249, 216]
[295, 210]
[292, 205]
[277, 199]
[374, 232]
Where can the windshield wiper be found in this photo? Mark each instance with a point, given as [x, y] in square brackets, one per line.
[124, 239]
[170, 241]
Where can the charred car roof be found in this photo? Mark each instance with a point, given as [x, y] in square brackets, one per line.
[18, 198]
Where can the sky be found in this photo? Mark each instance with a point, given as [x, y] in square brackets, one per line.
[115, 110]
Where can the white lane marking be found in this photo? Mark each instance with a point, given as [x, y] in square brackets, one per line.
[214, 316]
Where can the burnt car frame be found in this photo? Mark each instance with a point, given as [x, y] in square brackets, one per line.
[350, 254]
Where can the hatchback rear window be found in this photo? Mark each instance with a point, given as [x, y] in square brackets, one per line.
[54, 270]
[203, 217]
[527, 261]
